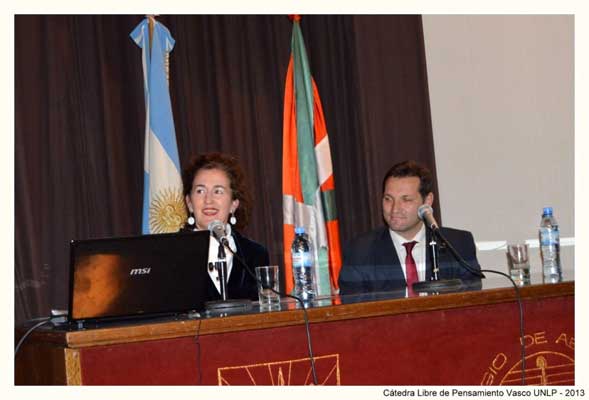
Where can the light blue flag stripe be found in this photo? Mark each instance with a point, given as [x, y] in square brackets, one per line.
[146, 198]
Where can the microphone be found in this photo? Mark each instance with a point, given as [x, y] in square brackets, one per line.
[426, 214]
[219, 232]
[218, 229]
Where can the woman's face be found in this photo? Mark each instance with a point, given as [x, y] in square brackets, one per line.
[210, 198]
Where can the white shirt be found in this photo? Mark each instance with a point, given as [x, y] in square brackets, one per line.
[418, 251]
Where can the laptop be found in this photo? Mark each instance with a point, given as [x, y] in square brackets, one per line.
[138, 276]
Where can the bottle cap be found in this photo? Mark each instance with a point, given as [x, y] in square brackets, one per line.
[547, 211]
[299, 230]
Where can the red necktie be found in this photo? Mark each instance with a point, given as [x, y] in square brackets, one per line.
[410, 267]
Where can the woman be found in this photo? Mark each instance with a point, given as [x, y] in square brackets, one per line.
[215, 189]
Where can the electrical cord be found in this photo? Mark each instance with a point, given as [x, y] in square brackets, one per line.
[309, 346]
[481, 275]
[521, 320]
[55, 320]
[197, 342]
[305, 315]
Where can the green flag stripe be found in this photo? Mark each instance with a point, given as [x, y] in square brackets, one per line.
[304, 116]
[329, 209]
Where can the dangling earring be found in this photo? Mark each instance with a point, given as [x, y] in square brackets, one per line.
[232, 220]
[191, 221]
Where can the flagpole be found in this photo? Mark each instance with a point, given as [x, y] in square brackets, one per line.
[151, 24]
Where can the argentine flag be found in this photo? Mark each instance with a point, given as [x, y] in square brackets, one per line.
[163, 205]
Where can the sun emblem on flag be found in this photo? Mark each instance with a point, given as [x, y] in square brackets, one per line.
[167, 212]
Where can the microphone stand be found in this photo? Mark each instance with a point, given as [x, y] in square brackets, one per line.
[434, 251]
[225, 304]
[221, 267]
[437, 285]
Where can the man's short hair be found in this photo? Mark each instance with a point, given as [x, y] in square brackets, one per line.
[408, 169]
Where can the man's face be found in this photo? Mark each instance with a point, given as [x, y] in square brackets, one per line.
[400, 201]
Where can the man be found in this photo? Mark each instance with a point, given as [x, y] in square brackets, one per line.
[397, 255]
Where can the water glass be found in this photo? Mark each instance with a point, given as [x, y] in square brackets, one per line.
[518, 263]
[267, 279]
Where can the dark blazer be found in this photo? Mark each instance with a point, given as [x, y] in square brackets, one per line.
[241, 284]
[371, 263]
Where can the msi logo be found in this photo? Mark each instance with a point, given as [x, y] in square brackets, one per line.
[140, 271]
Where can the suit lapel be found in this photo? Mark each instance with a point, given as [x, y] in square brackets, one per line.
[236, 270]
[385, 255]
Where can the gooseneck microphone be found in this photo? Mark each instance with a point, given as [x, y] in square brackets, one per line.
[218, 230]
[426, 214]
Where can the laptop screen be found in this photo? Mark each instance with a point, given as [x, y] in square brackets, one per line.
[138, 276]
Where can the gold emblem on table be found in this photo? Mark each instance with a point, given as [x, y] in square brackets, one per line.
[283, 373]
[543, 368]
[167, 212]
[550, 360]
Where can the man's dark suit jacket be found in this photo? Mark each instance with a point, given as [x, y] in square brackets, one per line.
[241, 284]
[371, 263]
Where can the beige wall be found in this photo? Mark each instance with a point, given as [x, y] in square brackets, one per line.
[502, 103]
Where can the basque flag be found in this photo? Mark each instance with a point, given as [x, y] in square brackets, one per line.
[307, 175]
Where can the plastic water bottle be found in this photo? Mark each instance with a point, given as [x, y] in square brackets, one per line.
[303, 266]
[549, 236]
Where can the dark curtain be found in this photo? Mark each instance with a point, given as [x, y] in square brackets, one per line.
[80, 116]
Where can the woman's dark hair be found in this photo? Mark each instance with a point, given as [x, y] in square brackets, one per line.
[237, 181]
[410, 168]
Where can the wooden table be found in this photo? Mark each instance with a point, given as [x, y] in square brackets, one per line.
[465, 338]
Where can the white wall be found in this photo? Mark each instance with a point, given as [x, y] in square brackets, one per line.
[502, 103]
